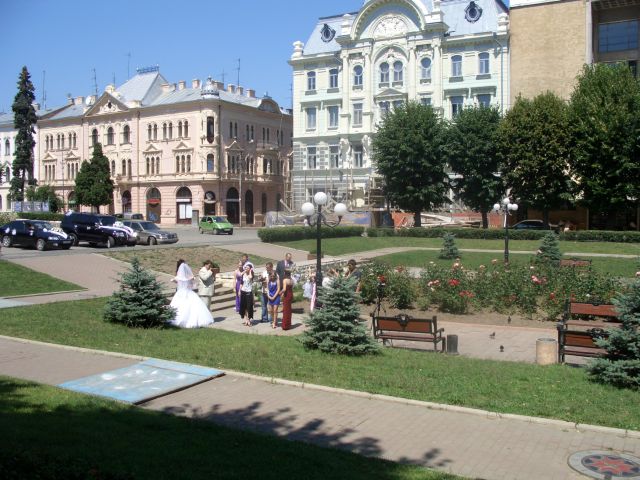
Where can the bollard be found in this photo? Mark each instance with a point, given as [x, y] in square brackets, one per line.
[546, 351]
[452, 344]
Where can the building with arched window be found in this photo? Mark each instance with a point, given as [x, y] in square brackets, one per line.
[357, 67]
[168, 153]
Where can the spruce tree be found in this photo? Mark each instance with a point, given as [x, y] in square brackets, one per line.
[621, 364]
[549, 252]
[334, 327]
[24, 120]
[140, 302]
[449, 248]
[94, 186]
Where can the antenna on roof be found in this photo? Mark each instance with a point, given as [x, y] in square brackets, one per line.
[95, 82]
[128, 65]
[114, 78]
[222, 75]
[44, 92]
[238, 83]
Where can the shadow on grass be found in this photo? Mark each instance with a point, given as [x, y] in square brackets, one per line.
[55, 434]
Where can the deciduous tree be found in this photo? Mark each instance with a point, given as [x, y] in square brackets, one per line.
[533, 147]
[408, 152]
[471, 152]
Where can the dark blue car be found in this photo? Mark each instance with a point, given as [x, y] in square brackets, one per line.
[33, 233]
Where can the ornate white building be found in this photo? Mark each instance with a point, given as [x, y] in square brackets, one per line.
[174, 149]
[356, 67]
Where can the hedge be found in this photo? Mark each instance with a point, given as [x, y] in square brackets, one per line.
[498, 234]
[285, 234]
[6, 217]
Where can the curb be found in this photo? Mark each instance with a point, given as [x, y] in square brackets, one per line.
[562, 424]
[43, 294]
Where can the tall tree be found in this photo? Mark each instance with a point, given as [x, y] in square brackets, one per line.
[471, 152]
[44, 193]
[408, 151]
[533, 148]
[605, 126]
[24, 120]
[93, 182]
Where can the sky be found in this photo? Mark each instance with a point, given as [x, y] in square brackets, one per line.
[68, 39]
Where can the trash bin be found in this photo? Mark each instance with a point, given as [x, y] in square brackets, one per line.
[546, 351]
[452, 344]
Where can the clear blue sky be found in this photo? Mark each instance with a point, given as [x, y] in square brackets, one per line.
[69, 38]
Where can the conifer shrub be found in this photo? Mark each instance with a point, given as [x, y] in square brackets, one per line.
[140, 302]
[449, 249]
[549, 252]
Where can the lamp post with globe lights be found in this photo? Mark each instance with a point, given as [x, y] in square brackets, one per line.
[506, 208]
[317, 218]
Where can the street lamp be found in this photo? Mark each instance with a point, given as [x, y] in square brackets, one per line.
[506, 207]
[309, 211]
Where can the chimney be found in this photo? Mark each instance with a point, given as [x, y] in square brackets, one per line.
[195, 83]
[70, 100]
[219, 85]
[181, 84]
[110, 88]
[36, 106]
[240, 90]
[231, 88]
[79, 101]
[167, 87]
[251, 93]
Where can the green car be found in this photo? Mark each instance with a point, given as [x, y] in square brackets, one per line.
[215, 224]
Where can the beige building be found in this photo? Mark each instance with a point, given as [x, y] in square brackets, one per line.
[175, 151]
[551, 40]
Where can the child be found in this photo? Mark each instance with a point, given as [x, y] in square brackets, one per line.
[274, 299]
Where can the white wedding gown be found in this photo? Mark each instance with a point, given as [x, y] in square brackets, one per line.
[191, 312]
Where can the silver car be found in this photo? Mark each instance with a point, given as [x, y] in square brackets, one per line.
[149, 233]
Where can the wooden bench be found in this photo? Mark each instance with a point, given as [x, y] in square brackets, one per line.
[575, 262]
[577, 336]
[405, 327]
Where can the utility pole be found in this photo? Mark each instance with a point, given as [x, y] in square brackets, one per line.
[238, 83]
[128, 65]
[95, 83]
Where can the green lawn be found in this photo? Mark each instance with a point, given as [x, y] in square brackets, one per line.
[343, 246]
[617, 267]
[56, 434]
[556, 391]
[18, 280]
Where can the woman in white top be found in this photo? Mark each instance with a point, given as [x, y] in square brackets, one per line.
[191, 312]
[246, 295]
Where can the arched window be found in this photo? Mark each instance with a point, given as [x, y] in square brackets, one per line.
[357, 76]
[149, 131]
[94, 137]
[210, 163]
[75, 138]
[155, 131]
[333, 78]
[180, 129]
[170, 130]
[425, 71]
[398, 72]
[113, 168]
[124, 168]
[263, 207]
[148, 166]
[62, 141]
[230, 129]
[311, 80]
[186, 128]
[157, 165]
[188, 163]
[46, 143]
[58, 141]
[483, 64]
[183, 166]
[70, 140]
[384, 72]
[164, 131]
[110, 139]
[456, 66]
[129, 168]
[177, 163]
[211, 133]
[126, 134]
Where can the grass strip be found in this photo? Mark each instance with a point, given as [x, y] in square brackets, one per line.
[19, 280]
[56, 434]
[555, 391]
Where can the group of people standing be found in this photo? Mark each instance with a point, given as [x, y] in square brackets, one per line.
[275, 287]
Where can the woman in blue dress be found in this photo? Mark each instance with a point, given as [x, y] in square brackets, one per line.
[274, 298]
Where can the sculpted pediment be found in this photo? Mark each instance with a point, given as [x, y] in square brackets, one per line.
[151, 149]
[390, 92]
[182, 146]
[234, 146]
[48, 157]
[105, 105]
[390, 26]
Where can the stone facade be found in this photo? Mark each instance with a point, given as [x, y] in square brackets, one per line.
[356, 67]
[174, 149]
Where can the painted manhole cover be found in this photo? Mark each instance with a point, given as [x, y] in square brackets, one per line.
[602, 464]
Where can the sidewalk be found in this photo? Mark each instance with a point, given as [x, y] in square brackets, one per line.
[466, 442]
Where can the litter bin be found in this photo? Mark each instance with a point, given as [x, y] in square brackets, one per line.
[452, 344]
[546, 351]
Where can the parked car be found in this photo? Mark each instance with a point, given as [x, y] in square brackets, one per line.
[33, 233]
[129, 216]
[532, 224]
[215, 224]
[149, 233]
[95, 229]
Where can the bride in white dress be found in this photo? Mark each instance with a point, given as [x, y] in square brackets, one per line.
[191, 312]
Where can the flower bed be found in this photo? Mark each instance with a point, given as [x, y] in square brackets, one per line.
[534, 291]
